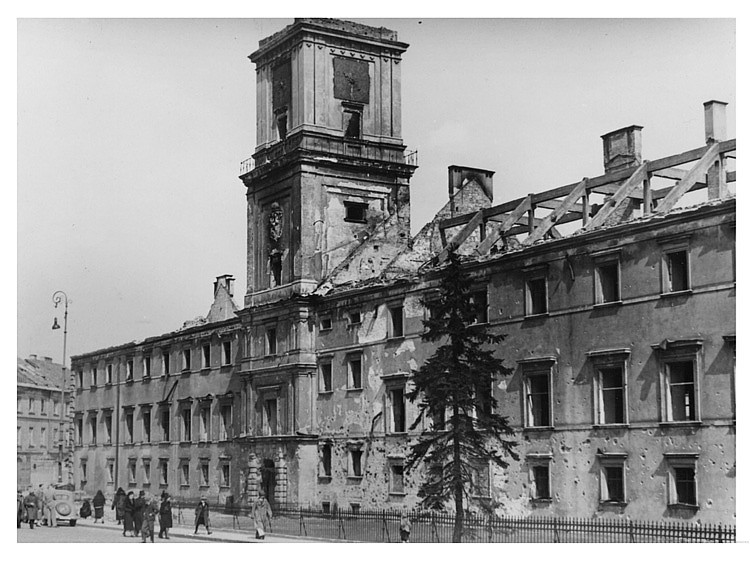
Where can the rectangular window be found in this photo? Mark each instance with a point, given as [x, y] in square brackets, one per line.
[165, 362]
[678, 278]
[325, 381]
[186, 359]
[32, 406]
[270, 418]
[131, 472]
[355, 463]
[164, 472]
[540, 482]
[108, 427]
[147, 367]
[165, 418]
[608, 282]
[43, 437]
[84, 471]
[55, 408]
[226, 421]
[354, 367]
[611, 387]
[684, 485]
[325, 460]
[225, 475]
[94, 376]
[129, 376]
[206, 356]
[271, 341]
[42, 406]
[326, 323]
[185, 474]
[110, 471]
[55, 437]
[146, 472]
[204, 474]
[226, 347]
[108, 378]
[613, 485]
[205, 419]
[19, 408]
[146, 415]
[355, 318]
[129, 426]
[79, 431]
[355, 212]
[680, 392]
[187, 433]
[397, 410]
[478, 300]
[92, 424]
[536, 296]
[397, 479]
[538, 395]
[480, 480]
[396, 314]
[80, 378]
[352, 123]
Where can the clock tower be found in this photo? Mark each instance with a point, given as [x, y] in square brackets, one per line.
[329, 169]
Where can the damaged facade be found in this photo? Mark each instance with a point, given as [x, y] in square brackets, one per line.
[616, 294]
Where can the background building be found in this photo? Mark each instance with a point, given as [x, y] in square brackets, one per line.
[43, 439]
[616, 295]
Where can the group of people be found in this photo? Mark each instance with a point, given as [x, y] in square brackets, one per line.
[37, 505]
[138, 515]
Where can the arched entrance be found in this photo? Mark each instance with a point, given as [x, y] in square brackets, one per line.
[268, 479]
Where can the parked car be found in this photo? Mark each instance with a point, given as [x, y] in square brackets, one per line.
[66, 508]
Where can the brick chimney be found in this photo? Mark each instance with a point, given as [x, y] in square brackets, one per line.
[457, 177]
[622, 148]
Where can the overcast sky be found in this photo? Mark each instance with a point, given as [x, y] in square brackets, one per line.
[130, 135]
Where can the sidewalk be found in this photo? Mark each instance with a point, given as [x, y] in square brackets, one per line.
[221, 536]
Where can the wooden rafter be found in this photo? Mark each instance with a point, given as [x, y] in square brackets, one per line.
[461, 236]
[633, 182]
[506, 225]
[697, 172]
[549, 220]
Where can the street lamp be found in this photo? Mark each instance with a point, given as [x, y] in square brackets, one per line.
[57, 298]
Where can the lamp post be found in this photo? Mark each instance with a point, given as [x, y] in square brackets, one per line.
[57, 298]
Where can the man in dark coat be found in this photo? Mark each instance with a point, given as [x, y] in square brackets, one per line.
[138, 508]
[32, 505]
[150, 510]
[19, 499]
[165, 515]
[128, 508]
[201, 515]
[118, 505]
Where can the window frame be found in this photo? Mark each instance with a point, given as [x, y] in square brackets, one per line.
[163, 472]
[606, 461]
[186, 422]
[205, 356]
[604, 261]
[129, 414]
[166, 359]
[675, 461]
[352, 471]
[674, 352]
[271, 341]
[325, 364]
[146, 426]
[535, 461]
[532, 275]
[484, 318]
[226, 352]
[129, 370]
[669, 247]
[146, 364]
[108, 374]
[225, 474]
[609, 359]
[394, 333]
[393, 466]
[204, 423]
[108, 414]
[326, 323]
[531, 368]
[187, 359]
[350, 358]
[351, 205]
[325, 465]
[225, 421]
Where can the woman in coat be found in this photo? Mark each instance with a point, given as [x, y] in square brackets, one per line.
[118, 504]
[262, 514]
[128, 509]
[98, 503]
[31, 504]
[165, 515]
[139, 505]
[201, 515]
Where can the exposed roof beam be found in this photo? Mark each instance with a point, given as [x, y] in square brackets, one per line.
[555, 203]
[697, 172]
[506, 225]
[609, 206]
[671, 173]
[550, 220]
[461, 236]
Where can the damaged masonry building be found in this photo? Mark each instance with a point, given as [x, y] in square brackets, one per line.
[615, 293]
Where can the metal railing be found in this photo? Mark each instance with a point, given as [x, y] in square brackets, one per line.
[429, 526]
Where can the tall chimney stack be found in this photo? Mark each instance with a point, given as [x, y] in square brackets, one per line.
[715, 118]
[622, 148]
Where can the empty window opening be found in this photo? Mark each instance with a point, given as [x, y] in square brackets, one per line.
[146, 472]
[355, 318]
[129, 426]
[147, 367]
[206, 356]
[146, 425]
[131, 472]
[225, 475]
[204, 426]
[478, 301]
[226, 421]
[685, 485]
[681, 392]
[165, 425]
[540, 483]
[608, 288]
[165, 361]
[187, 432]
[94, 375]
[108, 379]
[355, 212]
[271, 341]
[325, 377]
[108, 428]
[355, 458]
[325, 460]
[611, 396]
[325, 323]
[164, 472]
[281, 125]
[398, 410]
[185, 474]
[355, 372]
[186, 359]
[129, 374]
[275, 269]
[397, 321]
[538, 400]
[397, 479]
[227, 353]
[204, 474]
[677, 271]
[352, 124]
[613, 488]
[536, 296]
[270, 416]
[93, 430]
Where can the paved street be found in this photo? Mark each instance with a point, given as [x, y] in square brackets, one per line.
[84, 534]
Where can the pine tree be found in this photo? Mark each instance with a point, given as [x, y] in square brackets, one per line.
[453, 390]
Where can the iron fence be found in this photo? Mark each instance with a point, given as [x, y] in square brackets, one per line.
[430, 527]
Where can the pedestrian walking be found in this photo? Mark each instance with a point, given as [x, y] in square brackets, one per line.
[85, 511]
[99, 501]
[127, 509]
[261, 514]
[50, 504]
[405, 528]
[40, 495]
[165, 515]
[31, 505]
[150, 510]
[118, 505]
[19, 500]
[138, 506]
[201, 515]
